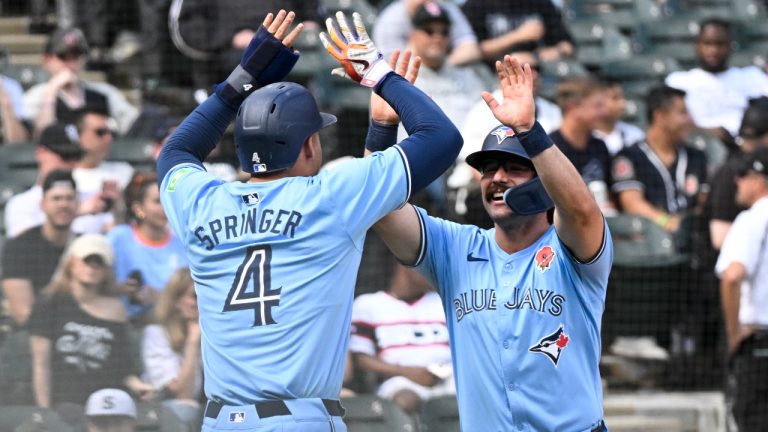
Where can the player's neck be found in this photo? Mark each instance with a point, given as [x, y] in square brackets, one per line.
[520, 233]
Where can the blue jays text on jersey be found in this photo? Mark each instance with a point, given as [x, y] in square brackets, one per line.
[524, 327]
[477, 300]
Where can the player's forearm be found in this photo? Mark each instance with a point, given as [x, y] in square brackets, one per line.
[196, 136]
[434, 141]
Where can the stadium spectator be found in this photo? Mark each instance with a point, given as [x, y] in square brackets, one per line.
[57, 148]
[716, 94]
[110, 410]
[583, 104]
[393, 30]
[505, 27]
[455, 89]
[722, 209]
[171, 348]
[147, 253]
[743, 269]
[100, 182]
[67, 92]
[615, 133]
[400, 335]
[662, 178]
[12, 114]
[478, 122]
[30, 259]
[79, 332]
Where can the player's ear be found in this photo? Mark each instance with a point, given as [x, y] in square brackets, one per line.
[311, 147]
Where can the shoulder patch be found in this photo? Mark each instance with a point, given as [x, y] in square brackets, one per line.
[544, 258]
[622, 169]
[176, 177]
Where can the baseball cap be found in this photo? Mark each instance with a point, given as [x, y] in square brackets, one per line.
[757, 161]
[57, 178]
[65, 41]
[430, 12]
[63, 140]
[92, 245]
[110, 402]
[754, 123]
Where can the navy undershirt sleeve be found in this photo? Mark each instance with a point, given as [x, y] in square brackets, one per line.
[196, 136]
[434, 141]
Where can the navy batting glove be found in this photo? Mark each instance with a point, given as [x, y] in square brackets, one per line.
[265, 61]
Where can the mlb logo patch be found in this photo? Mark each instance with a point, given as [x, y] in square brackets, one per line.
[257, 167]
[251, 199]
[237, 417]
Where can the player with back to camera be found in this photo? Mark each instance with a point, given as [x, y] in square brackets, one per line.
[523, 300]
[275, 259]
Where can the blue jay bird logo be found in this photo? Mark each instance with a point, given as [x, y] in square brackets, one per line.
[552, 345]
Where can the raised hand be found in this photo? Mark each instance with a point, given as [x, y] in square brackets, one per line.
[381, 112]
[279, 24]
[360, 60]
[517, 108]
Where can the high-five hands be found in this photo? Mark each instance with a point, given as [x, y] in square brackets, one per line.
[517, 108]
[381, 111]
[358, 56]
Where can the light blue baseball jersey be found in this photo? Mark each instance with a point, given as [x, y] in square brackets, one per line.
[274, 266]
[524, 328]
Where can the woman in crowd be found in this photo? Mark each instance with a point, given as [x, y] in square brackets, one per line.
[79, 332]
[146, 251]
[171, 348]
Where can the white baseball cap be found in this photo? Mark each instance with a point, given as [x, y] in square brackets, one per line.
[92, 244]
[110, 402]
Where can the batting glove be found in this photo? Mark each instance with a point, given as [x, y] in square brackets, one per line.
[265, 61]
[359, 58]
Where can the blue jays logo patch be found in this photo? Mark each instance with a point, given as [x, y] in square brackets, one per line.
[503, 132]
[552, 345]
[237, 417]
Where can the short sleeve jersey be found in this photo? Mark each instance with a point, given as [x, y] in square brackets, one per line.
[525, 327]
[274, 265]
[673, 189]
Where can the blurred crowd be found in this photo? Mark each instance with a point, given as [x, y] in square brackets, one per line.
[96, 293]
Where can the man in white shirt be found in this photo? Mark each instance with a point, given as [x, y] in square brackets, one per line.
[743, 269]
[717, 94]
[57, 148]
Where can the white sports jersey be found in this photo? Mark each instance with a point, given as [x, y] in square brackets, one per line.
[398, 332]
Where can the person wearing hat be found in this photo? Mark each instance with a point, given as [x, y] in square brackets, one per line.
[58, 147]
[523, 300]
[110, 410]
[67, 92]
[721, 207]
[743, 269]
[78, 330]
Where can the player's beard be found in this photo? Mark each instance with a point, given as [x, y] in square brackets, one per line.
[514, 224]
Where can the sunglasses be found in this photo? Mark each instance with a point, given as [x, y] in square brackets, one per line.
[95, 261]
[440, 31]
[511, 166]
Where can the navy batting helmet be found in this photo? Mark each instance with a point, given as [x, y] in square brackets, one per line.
[527, 198]
[272, 125]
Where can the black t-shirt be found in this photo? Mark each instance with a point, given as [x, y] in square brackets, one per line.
[493, 18]
[593, 163]
[30, 256]
[721, 203]
[94, 101]
[87, 353]
[673, 189]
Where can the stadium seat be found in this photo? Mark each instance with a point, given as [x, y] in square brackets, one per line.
[598, 41]
[625, 14]
[714, 148]
[154, 417]
[639, 68]
[440, 415]
[31, 418]
[369, 413]
[639, 242]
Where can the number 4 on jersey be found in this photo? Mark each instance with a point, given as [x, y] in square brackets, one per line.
[256, 268]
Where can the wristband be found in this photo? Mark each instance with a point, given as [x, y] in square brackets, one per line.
[663, 220]
[535, 140]
[380, 136]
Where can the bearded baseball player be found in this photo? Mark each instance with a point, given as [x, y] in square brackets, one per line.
[274, 259]
[523, 300]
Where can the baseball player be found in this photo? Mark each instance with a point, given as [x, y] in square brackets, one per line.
[523, 300]
[274, 259]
